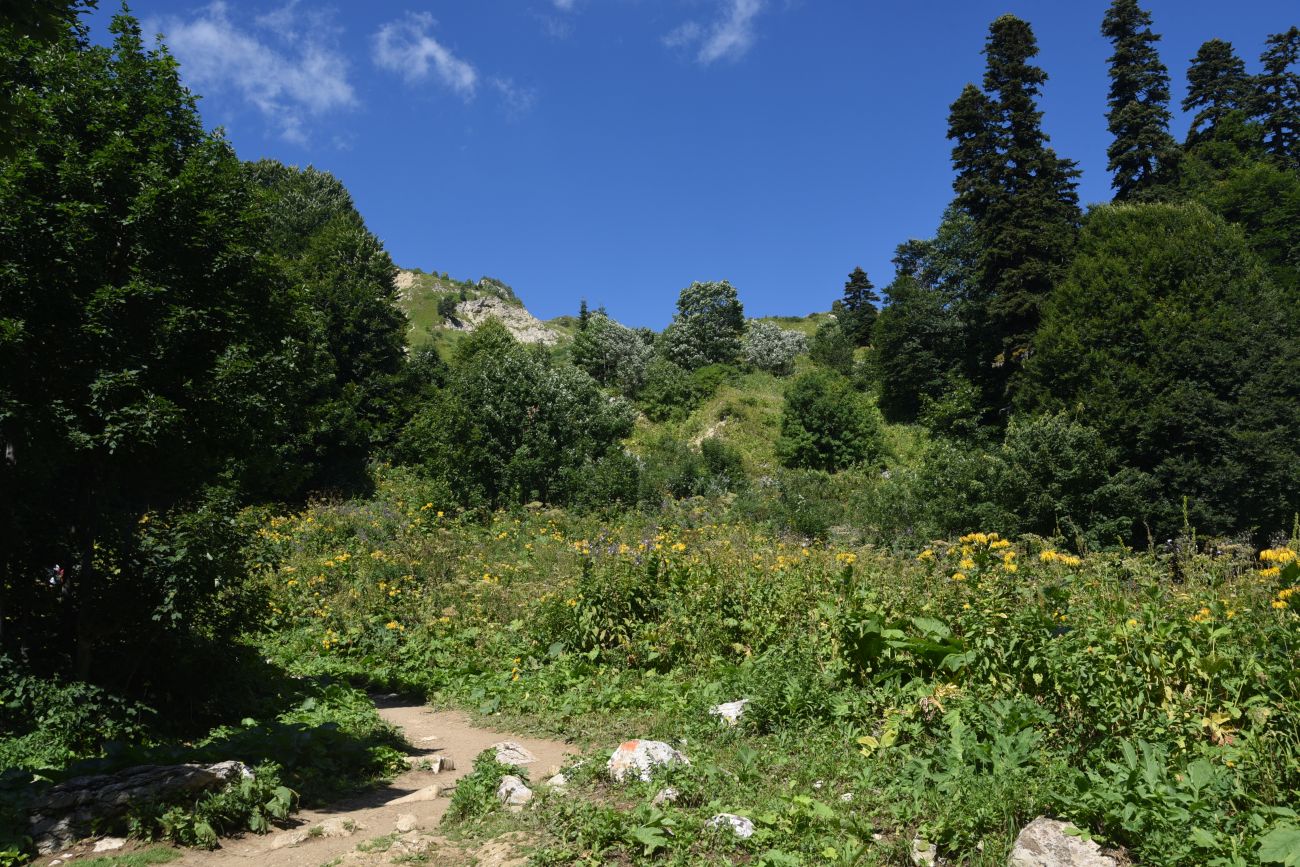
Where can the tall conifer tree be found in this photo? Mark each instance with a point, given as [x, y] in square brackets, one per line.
[1217, 85]
[1278, 105]
[1022, 198]
[1139, 101]
[857, 309]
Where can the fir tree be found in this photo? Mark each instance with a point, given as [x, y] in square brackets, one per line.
[1217, 85]
[584, 315]
[1022, 199]
[1139, 101]
[1278, 100]
[857, 309]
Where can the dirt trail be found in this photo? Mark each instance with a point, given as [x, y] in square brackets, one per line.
[432, 734]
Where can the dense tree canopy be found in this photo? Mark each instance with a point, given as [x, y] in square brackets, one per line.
[1169, 337]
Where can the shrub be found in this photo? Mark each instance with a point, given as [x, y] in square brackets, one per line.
[707, 328]
[832, 347]
[827, 425]
[612, 354]
[668, 392]
[771, 348]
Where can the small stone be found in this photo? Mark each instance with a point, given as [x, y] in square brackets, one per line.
[847, 797]
[558, 781]
[428, 793]
[406, 822]
[109, 844]
[1049, 843]
[511, 753]
[640, 758]
[666, 795]
[817, 784]
[513, 792]
[739, 825]
[730, 712]
[290, 838]
[923, 853]
[335, 828]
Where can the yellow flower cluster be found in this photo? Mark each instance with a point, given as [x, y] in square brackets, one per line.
[1283, 599]
[848, 558]
[979, 538]
[1058, 557]
[1277, 556]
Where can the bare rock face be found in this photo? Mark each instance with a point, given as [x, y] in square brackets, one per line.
[1045, 843]
[525, 327]
[66, 812]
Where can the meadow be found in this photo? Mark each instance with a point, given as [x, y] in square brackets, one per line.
[953, 692]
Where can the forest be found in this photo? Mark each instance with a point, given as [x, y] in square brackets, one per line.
[1014, 535]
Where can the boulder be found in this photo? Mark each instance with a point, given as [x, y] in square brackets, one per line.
[513, 792]
[739, 825]
[67, 812]
[923, 853]
[639, 759]
[511, 753]
[1049, 843]
[406, 822]
[730, 712]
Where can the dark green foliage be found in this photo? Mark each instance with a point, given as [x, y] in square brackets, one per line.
[1142, 148]
[511, 425]
[856, 311]
[671, 468]
[476, 792]
[827, 425]
[1169, 338]
[1278, 96]
[1059, 478]
[668, 392]
[917, 344]
[345, 275]
[1217, 86]
[1021, 197]
[148, 345]
[447, 307]
[832, 347]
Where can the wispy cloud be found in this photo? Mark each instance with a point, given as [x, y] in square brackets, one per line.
[564, 5]
[405, 46]
[515, 99]
[285, 64]
[727, 38]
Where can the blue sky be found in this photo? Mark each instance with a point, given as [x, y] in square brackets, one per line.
[619, 149]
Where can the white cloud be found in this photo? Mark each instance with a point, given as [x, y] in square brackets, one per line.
[729, 37]
[516, 99]
[290, 83]
[405, 47]
[565, 5]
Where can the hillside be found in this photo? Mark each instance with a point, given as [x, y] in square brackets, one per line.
[441, 308]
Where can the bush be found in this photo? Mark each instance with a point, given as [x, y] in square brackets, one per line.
[612, 354]
[827, 425]
[512, 426]
[707, 328]
[832, 347]
[771, 348]
[668, 392]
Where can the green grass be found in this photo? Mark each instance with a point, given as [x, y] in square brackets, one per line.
[953, 708]
[157, 855]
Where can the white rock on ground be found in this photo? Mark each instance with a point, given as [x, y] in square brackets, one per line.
[558, 781]
[513, 792]
[336, 827]
[730, 712]
[511, 753]
[739, 825]
[1045, 843]
[428, 793]
[406, 822]
[290, 838]
[666, 795]
[109, 844]
[640, 758]
[924, 853]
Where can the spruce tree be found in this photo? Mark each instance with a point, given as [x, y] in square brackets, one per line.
[857, 309]
[1022, 199]
[1217, 85]
[1139, 101]
[1278, 99]
[584, 315]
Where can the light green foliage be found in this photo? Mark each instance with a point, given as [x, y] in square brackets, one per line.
[476, 792]
[612, 354]
[707, 328]
[957, 693]
[827, 425]
[769, 347]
